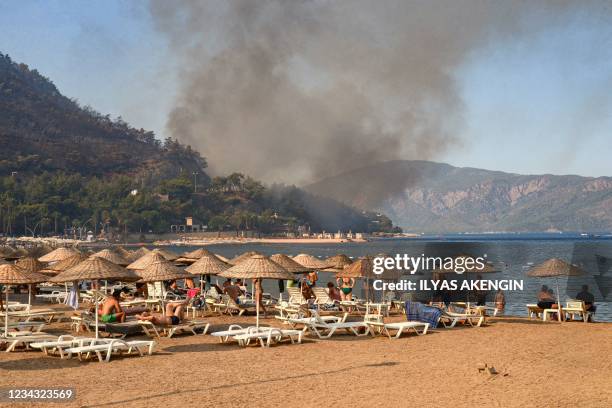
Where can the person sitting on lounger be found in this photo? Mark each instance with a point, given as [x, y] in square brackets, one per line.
[587, 297]
[333, 292]
[259, 296]
[174, 315]
[111, 311]
[233, 291]
[545, 299]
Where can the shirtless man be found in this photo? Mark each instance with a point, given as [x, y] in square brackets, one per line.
[111, 311]
[233, 291]
[174, 314]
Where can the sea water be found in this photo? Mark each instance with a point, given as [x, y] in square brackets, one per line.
[512, 255]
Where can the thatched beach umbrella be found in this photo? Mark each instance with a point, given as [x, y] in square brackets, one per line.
[289, 264]
[139, 253]
[6, 252]
[257, 267]
[553, 268]
[337, 262]
[67, 263]
[29, 264]
[193, 256]
[58, 254]
[221, 257]
[147, 259]
[161, 270]
[243, 257]
[169, 255]
[92, 269]
[207, 265]
[311, 262]
[13, 275]
[112, 256]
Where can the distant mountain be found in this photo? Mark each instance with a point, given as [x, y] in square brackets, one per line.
[65, 165]
[422, 196]
[42, 130]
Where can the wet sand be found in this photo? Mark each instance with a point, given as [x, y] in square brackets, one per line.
[539, 364]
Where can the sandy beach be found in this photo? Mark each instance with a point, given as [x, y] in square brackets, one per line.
[539, 364]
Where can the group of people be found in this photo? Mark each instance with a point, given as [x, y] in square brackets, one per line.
[547, 299]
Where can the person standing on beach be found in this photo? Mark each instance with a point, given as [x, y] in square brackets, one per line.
[346, 288]
[259, 295]
[500, 301]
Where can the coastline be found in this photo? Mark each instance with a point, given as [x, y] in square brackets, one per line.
[213, 241]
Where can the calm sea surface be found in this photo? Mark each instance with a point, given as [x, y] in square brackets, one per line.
[511, 254]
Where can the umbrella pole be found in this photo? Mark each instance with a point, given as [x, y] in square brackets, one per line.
[6, 312]
[29, 297]
[96, 295]
[202, 285]
[558, 299]
[257, 302]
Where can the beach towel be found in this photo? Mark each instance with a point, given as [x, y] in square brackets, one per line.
[72, 299]
[192, 293]
[419, 312]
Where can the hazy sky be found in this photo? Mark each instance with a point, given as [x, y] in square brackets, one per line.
[537, 103]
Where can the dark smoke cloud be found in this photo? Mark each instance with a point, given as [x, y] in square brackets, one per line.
[293, 91]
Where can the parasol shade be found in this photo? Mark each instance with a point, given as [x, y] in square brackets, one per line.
[311, 262]
[208, 265]
[95, 268]
[162, 270]
[13, 275]
[289, 264]
[257, 267]
[112, 256]
[554, 267]
[58, 254]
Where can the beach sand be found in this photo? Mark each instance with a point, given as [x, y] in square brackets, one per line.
[540, 365]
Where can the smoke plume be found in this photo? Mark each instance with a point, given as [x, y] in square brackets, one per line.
[293, 91]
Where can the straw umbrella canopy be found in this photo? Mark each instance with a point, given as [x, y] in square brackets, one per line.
[20, 253]
[65, 264]
[147, 259]
[553, 268]
[289, 264]
[124, 252]
[29, 264]
[242, 257]
[169, 255]
[207, 265]
[311, 262]
[192, 256]
[14, 275]
[139, 253]
[338, 262]
[257, 267]
[112, 256]
[58, 254]
[95, 268]
[161, 270]
[6, 252]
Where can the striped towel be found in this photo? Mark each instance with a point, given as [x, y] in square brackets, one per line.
[419, 312]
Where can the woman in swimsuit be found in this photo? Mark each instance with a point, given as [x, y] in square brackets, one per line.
[346, 286]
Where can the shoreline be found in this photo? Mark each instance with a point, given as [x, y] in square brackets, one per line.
[238, 241]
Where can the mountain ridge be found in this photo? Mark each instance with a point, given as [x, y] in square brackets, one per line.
[423, 196]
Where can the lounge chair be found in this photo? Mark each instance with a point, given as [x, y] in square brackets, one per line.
[534, 311]
[153, 330]
[13, 342]
[234, 330]
[450, 319]
[64, 342]
[324, 329]
[575, 308]
[110, 347]
[378, 326]
[268, 336]
[322, 299]
[296, 297]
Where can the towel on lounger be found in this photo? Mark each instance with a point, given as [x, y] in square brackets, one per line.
[419, 312]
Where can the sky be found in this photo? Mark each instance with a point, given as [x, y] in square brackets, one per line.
[530, 104]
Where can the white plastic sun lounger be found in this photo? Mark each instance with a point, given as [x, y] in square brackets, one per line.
[235, 330]
[419, 328]
[113, 346]
[64, 342]
[25, 340]
[450, 319]
[269, 336]
[325, 330]
[153, 330]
